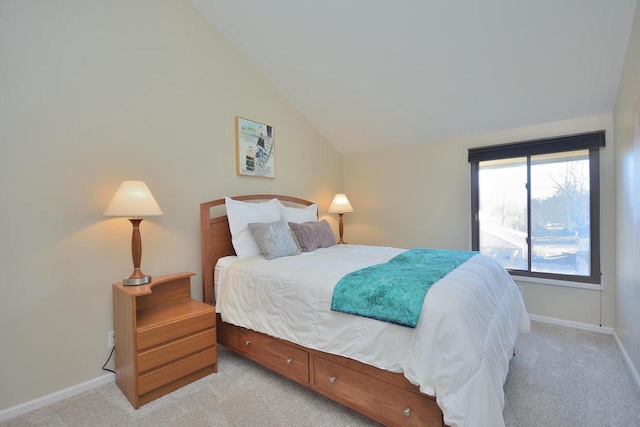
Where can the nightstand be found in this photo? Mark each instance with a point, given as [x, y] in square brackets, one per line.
[164, 339]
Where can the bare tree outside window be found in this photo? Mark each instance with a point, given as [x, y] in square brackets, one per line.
[535, 206]
[560, 213]
[559, 210]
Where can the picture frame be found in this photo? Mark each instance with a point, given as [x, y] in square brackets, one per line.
[255, 149]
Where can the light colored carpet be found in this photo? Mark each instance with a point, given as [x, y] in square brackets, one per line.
[567, 377]
[560, 376]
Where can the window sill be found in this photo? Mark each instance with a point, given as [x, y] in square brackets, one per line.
[555, 282]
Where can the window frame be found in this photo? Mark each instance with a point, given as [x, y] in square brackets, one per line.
[591, 141]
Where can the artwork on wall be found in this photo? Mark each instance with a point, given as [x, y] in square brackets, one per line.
[255, 149]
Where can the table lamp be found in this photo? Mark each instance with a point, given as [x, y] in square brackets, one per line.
[340, 205]
[133, 199]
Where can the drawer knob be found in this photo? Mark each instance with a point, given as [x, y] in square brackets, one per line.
[407, 412]
[289, 361]
[247, 342]
[332, 380]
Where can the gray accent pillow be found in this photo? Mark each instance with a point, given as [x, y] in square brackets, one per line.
[313, 235]
[274, 239]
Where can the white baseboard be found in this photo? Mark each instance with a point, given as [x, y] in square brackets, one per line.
[23, 408]
[572, 324]
[627, 359]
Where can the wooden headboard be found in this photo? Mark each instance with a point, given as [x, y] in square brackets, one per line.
[215, 237]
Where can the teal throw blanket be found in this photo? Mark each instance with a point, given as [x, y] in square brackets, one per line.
[394, 291]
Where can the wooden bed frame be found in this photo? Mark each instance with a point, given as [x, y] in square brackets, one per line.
[381, 395]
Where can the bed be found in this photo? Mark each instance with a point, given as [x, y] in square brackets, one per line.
[448, 370]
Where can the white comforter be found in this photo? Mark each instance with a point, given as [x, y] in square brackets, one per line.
[459, 351]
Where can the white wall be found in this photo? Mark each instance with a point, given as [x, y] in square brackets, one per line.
[94, 92]
[627, 127]
[419, 196]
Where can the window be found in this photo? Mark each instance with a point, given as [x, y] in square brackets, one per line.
[536, 206]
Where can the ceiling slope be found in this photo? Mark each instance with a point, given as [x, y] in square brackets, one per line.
[377, 73]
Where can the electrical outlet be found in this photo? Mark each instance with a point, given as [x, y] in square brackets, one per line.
[111, 340]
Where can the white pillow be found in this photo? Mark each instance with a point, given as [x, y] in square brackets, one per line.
[306, 214]
[240, 214]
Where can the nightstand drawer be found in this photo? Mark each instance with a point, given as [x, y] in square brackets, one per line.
[279, 356]
[191, 316]
[173, 350]
[174, 371]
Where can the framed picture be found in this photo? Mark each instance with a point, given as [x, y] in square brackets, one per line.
[255, 149]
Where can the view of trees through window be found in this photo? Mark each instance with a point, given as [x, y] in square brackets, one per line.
[559, 211]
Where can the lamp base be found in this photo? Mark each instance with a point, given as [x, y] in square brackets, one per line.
[136, 281]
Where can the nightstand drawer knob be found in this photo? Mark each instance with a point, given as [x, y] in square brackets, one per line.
[289, 361]
[332, 380]
[247, 342]
[407, 412]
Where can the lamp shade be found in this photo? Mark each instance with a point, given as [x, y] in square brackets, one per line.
[133, 199]
[340, 204]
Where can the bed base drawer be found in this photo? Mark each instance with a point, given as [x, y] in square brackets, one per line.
[278, 356]
[380, 395]
[392, 405]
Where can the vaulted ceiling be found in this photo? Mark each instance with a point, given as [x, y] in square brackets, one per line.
[371, 74]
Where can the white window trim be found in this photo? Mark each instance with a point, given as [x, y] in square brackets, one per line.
[556, 282]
